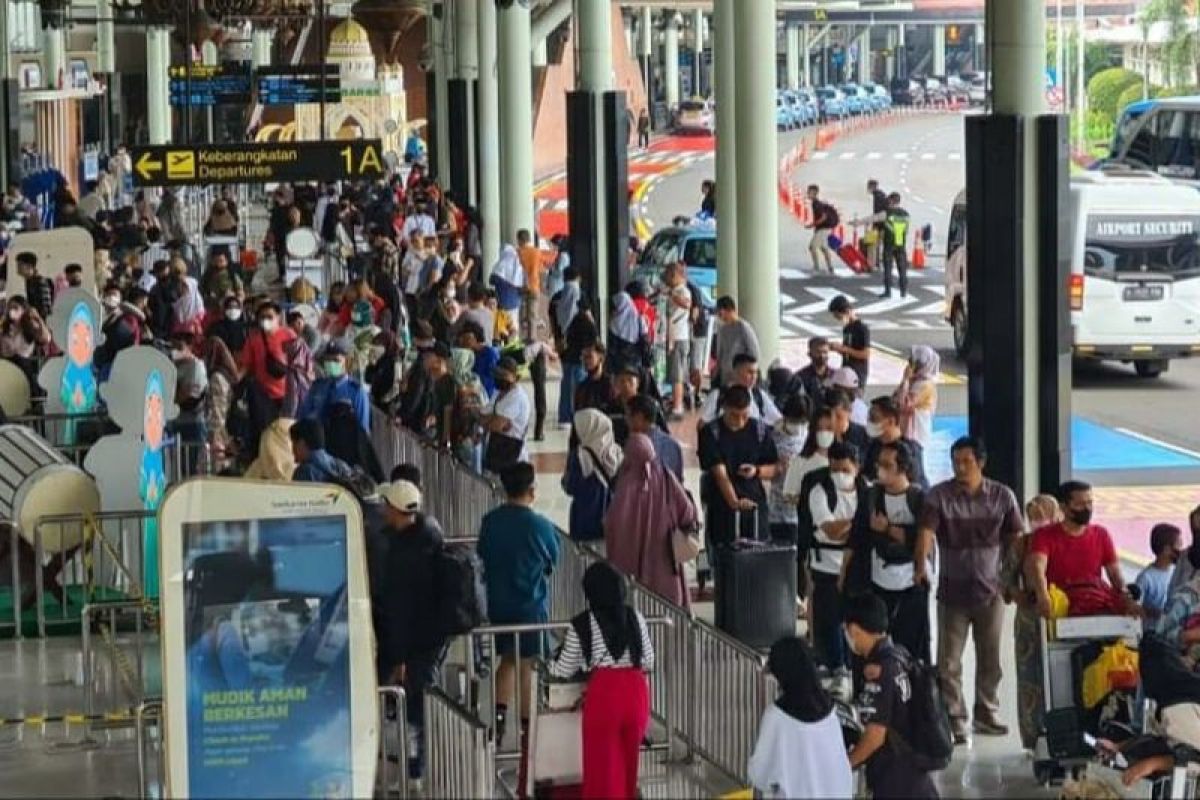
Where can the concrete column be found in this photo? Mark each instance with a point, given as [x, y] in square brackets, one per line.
[671, 58]
[105, 38]
[724, 86]
[901, 51]
[646, 55]
[516, 121]
[54, 49]
[487, 135]
[698, 50]
[7, 33]
[1018, 87]
[939, 50]
[864, 56]
[441, 106]
[540, 54]
[630, 39]
[594, 28]
[980, 49]
[792, 54]
[158, 108]
[804, 47]
[262, 43]
[757, 150]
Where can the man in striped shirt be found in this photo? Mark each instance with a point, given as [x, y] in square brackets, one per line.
[974, 521]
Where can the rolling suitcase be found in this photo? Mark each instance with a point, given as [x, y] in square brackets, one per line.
[756, 591]
[853, 258]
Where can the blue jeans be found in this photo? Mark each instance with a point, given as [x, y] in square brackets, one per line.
[573, 375]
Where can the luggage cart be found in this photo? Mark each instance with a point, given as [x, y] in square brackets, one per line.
[1060, 749]
[1180, 783]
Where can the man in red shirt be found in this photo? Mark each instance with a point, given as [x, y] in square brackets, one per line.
[1073, 552]
[265, 365]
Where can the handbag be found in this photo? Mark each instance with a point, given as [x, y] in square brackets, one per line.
[685, 542]
[501, 452]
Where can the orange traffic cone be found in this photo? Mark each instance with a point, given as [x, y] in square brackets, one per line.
[918, 259]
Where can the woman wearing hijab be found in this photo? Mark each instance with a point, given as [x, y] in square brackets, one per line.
[800, 751]
[628, 338]
[648, 503]
[275, 460]
[591, 474]
[917, 394]
[610, 643]
[468, 408]
[508, 277]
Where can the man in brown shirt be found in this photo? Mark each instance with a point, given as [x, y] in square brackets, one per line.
[974, 521]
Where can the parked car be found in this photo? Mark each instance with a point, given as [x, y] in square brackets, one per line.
[808, 102]
[833, 103]
[695, 245]
[856, 101]
[977, 86]
[801, 114]
[878, 95]
[783, 114]
[907, 92]
[695, 116]
[958, 90]
[935, 92]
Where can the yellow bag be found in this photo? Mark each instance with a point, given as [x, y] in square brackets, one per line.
[1116, 668]
[871, 237]
[1060, 604]
[740, 794]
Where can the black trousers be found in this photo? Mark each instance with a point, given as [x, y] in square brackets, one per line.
[262, 411]
[908, 619]
[828, 640]
[537, 375]
[895, 255]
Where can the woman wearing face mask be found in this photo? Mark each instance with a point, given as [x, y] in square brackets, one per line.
[1040, 511]
[124, 326]
[265, 365]
[800, 751]
[790, 435]
[231, 328]
[917, 394]
[797, 484]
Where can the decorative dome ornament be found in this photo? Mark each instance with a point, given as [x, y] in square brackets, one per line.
[388, 21]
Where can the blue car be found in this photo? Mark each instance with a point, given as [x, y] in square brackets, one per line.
[784, 120]
[832, 103]
[695, 245]
[803, 112]
[808, 102]
[856, 101]
[879, 96]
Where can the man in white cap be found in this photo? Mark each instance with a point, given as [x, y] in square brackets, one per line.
[847, 379]
[411, 644]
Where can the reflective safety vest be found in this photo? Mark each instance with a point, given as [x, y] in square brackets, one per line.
[896, 224]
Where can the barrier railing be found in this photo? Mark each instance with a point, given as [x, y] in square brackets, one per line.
[461, 756]
[393, 744]
[566, 596]
[125, 678]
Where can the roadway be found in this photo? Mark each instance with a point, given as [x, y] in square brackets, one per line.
[1131, 435]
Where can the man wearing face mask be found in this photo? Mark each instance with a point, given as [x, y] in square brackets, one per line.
[1073, 552]
[736, 454]
[789, 435]
[124, 326]
[335, 387]
[265, 365]
[883, 549]
[832, 504]
[883, 426]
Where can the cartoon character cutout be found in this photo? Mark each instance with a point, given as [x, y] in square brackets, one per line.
[69, 379]
[152, 478]
[77, 389]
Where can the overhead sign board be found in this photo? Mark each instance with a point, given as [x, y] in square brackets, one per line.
[272, 162]
[283, 86]
[209, 85]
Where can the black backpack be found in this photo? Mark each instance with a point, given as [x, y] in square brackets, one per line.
[930, 744]
[893, 552]
[824, 478]
[461, 593]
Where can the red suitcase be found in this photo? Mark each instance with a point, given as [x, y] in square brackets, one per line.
[853, 258]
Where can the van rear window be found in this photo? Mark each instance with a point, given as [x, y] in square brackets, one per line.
[1121, 247]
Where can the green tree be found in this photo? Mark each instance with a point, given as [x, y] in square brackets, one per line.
[1105, 89]
[1181, 51]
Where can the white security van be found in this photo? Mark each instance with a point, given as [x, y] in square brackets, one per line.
[1134, 287]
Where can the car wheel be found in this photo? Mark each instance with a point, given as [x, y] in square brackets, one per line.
[958, 322]
[1150, 369]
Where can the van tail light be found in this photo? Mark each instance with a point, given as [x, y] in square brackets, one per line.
[1075, 292]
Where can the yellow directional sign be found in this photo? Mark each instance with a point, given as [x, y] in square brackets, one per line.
[259, 162]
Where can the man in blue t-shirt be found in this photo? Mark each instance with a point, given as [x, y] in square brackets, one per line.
[519, 549]
[471, 337]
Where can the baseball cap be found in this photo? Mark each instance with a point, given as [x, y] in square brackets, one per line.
[334, 348]
[845, 378]
[508, 365]
[402, 496]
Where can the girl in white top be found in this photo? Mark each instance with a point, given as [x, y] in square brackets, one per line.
[813, 455]
[800, 751]
[616, 705]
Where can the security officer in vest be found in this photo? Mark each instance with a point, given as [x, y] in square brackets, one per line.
[894, 221]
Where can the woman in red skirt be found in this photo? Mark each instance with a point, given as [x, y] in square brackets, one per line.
[611, 645]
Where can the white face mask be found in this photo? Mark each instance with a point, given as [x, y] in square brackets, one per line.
[824, 439]
[796, 429]
[451, 293]
[233, 314]
[844, 481]
[112, 301]
[268, 325]
[874, 430]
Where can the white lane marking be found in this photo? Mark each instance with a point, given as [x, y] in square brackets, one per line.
[874, 156]
[928, 156]
[883, 306]
[938, 308]
[900, 157]
[792, 274]
[820, 155]
[787, 299]
[848, 156]
[803, 326]
[1151, 440]
[826, 293]
[956, 156]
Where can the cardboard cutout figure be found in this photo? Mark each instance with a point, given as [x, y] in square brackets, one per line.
[140, 395]
[69, 379]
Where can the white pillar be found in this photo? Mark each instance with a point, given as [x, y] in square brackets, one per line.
[980, 48]
[1018, 30]
[627, 26]
[864, 56]
[594, 28]
[939, 50]
[540, 54]
[901, 51]
[158, 108]
[757, 151]
[516, 121]
[890, 68]
[487, 132]
[671, 58]
[725, 89]
[105, 38]
[792, 54]
[441, 105]
[804, 46]
[646, 32]
[54, 48]
[262, 42]
[698, 51]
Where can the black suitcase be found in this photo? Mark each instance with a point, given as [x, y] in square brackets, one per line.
[756, 591]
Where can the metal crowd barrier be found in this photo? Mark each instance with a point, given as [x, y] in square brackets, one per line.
[566, 581]
[119, 677]
[460, 753]
[107, 566]
[392, 761]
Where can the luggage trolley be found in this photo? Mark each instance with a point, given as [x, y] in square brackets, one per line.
[1060, 748]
